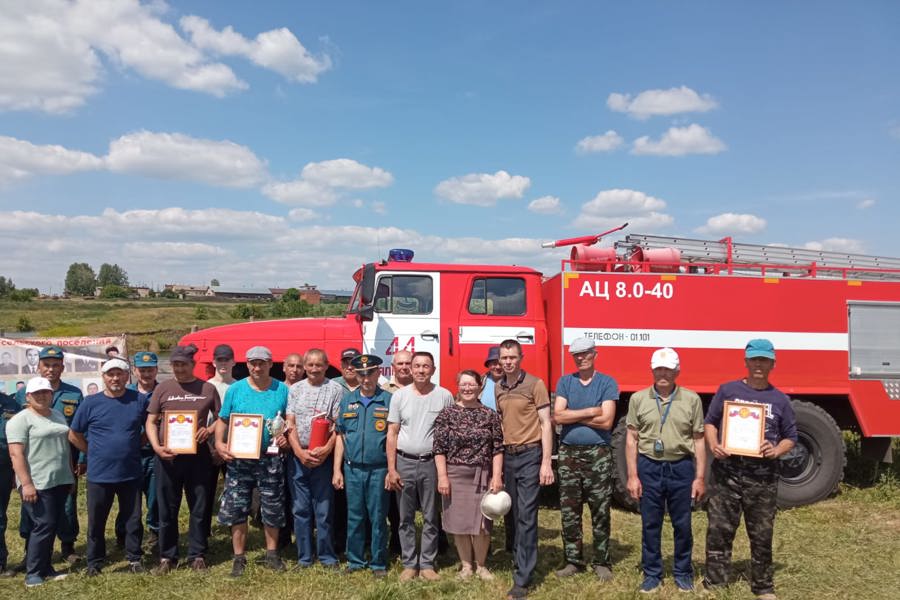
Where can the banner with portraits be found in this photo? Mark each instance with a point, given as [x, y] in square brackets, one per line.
[82, 359]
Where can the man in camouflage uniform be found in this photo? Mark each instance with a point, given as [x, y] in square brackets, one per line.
[747, 484]
[586, 408]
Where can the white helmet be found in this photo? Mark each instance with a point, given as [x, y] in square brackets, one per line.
[494, 506]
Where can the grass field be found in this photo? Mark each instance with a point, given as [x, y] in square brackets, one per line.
[848, 546]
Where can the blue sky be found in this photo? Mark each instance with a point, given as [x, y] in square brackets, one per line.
[276, 143]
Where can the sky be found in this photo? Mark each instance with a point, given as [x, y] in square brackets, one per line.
[277, 143]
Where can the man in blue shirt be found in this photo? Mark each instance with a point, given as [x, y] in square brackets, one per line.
[258, 394]
[109, 427]
[586, 408]
[66, 400]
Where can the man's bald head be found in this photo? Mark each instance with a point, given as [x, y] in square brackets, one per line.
[402, 366]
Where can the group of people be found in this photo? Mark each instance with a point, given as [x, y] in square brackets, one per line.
[353, 445]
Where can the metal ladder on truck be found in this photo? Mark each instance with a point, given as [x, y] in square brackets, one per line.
[768, 260]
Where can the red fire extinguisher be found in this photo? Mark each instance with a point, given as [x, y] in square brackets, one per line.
[318, 434]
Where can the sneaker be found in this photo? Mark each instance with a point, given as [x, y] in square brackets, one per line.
[517, 592]
[429, 575]
[238, 565]
[484, 574]
[55, 576]
[198, 565]
[136, 567]
[165, 565]
[684, 583]
[6, 572]
[92, 572]
[569, 570]
[274, 562]
[33, 581]
[379, 573]
[650, 585]
[603, 573]
[465, 572]
[408, 575]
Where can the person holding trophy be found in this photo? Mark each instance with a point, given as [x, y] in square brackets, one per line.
[251, 416]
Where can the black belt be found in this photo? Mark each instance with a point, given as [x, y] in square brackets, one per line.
[520, 448]
[418, 457]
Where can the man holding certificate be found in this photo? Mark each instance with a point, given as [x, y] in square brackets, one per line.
[251, 415]
[745, 469]
[176, 428]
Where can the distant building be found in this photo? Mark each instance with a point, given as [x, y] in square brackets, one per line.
[307, 292]
[141, 291]
[220, 291]
[336, 295]
[187, 291]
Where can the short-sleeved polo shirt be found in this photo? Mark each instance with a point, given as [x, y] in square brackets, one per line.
[518, 406]
[685, 419]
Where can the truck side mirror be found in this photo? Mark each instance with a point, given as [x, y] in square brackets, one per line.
[367, 289]
[366, 313]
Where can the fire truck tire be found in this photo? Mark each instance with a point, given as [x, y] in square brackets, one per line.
[814, 468]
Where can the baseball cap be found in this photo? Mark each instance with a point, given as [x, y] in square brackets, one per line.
[51, 352]
[37, 384]
[349, 353]
[665, 357]
[493, 354]
[183, 353]
[759, 347]
[580, 345]
[114, 363]
[224, 352]
[259, 353]
[145, 359]
[365, 363]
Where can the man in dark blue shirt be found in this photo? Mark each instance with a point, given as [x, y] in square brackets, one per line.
[109, 427]
[745, 483]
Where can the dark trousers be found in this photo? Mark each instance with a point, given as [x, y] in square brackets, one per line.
[152, 519]
[45, 514]
[748, 486]
[312, 497]
[6, 484]
[666, 485]
[187, 474]
[100, 498]
[66, 529]
[214, 472]
[521, 476]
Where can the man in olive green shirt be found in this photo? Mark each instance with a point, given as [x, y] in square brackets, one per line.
[665, 438]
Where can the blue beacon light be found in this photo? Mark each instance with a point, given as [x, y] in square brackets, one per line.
[400, 255]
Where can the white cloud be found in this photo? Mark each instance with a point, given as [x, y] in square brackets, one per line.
[837, 244]
[379, 207]
[20, 159]
[611, 208]
[346, 173]
[679, 141]
[607, 142]
[186, 251]
[482, 189]
[545, 205]
[732, 223]
[278, 50]
[302, 214]
[50, 55]
[178, 156]
[865, 203]
[661, 102]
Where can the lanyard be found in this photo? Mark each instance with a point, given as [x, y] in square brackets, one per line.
[664, 415]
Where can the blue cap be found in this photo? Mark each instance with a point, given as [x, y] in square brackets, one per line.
[145, 359]
[493, 354]
[51, 352]
[759, 348]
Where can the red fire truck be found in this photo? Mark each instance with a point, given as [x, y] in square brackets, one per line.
[833, 318]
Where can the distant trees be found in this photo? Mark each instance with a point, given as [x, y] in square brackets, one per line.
[80, 280]
[8, 291]
[112, 275]
[214, 283]
[112, 280]
[114, 291]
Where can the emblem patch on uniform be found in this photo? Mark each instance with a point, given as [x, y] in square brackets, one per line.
[349, 415]
[380, 425]
[68, 410]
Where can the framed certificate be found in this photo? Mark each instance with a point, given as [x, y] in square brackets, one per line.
[743, 428]
[181, 431]
[245, 435]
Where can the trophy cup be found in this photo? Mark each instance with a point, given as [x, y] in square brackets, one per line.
[275, 428]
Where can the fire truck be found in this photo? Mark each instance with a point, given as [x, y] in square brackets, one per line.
[834, 319]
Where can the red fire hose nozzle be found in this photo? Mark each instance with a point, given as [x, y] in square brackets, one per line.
[587, 240]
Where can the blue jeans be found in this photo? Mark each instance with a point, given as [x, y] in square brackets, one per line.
[312, 497]
[522, 479]
[45, 514]
[666, 485]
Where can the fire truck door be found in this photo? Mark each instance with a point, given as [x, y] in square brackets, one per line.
[406, 317]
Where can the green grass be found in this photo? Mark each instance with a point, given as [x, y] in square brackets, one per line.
[848, 546]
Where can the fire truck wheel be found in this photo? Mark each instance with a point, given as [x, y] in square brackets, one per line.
[814, 468]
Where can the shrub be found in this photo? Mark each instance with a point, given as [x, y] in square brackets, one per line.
[23, 324]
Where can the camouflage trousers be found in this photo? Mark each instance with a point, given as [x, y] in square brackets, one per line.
[748, 486]
[241, 478]
[585, 476]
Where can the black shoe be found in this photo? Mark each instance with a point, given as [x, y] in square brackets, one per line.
[274, 562]
[517, 592]
[68, 553]
[238, 565]
[6, 573]
[136, 567]
[92, 572]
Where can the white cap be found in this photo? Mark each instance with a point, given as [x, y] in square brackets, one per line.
[580, 345]
[665, 357]
[37, 384]
[114, 363]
